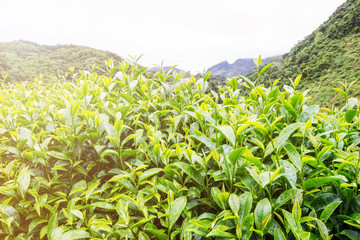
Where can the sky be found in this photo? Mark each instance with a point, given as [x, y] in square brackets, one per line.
[193, 34]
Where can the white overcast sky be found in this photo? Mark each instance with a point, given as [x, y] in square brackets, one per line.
[194, 34]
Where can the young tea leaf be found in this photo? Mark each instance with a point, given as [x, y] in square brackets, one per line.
[285, 134]
[175, 210]
[262, 211]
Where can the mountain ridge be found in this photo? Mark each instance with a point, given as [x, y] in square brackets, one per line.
[24, 60]
[240, 66]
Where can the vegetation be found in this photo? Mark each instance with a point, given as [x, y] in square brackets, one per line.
[22, 61]
[331, 54]
[123, 156]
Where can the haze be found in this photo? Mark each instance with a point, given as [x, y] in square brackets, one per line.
[192, 34]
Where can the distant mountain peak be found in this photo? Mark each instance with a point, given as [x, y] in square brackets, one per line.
[241, 66]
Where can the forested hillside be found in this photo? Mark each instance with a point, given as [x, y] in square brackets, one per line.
[330, 55]
[21, 60]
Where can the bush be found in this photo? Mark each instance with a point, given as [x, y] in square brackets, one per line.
[122, 156]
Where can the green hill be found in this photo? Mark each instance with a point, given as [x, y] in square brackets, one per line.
[328, 56]
[22, 60]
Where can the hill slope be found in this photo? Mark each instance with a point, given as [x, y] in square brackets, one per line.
[331, 54]
[25, 60]
[241, 66]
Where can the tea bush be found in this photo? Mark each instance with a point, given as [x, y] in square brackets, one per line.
[124, 156]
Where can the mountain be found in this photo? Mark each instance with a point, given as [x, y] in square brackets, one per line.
[22, 60]
[327, 57]
[165, 68]
[241, 66]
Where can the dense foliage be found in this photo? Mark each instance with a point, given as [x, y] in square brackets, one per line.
[123, 156]
[21, 60]
[331, 54]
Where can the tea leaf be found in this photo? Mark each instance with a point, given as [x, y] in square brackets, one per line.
[262, 211]
[353, 235]
[149, 173]
[328, 211]
[228, 132]
[191, 172]
[313, 182]
[285, 197]
[285, 134]
[175, 210]
[293, 155]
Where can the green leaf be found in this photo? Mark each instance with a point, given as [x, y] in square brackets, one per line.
[328, 211]
[254, 160]
[191, 172]
[353, 235]
[24, 183]
[236, 154]
[322, 200]
[175, 210]
[294, 226]
[35, 223]
[53, 223]
[308, 113]
[234, 203]
[246, 205]
[339, 90]
[149, 173]
[159, 234]
[73, 234]
[91, 189]
[265, 68]
[290, 109]
[322, 229]
[220, 231]
[285, 134]
[261, 93]
[257, 125]
[248, 81]
[297, 80]
[143, 236]
[206, 115]
[285, 197]
[228, 132]
[262, 211]
[202, 138]
[127, 184]
[109, 152]
[293, 155]
[254, 175]
[215, 195]
[223, 198]
[78, 214]
[75, 107]
[279, 235]
[247, 226]
[290, 172]
[350, 115]
[10, 212]
[85, 89]
[103, 205]
[122, 209]
[207, 76]
[57, 155]
[127, 97]
[313, 182]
